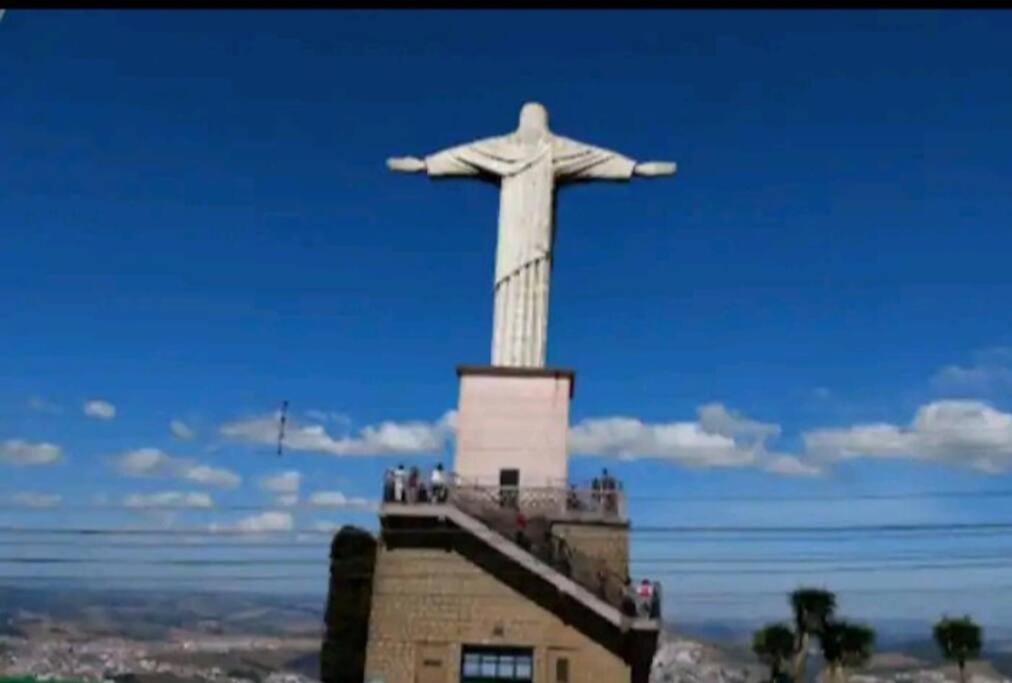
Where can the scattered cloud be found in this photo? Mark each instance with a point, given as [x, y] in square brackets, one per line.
[339, 419]
[990, 371]
[153, 462]
[970, 433]
[169, 499]
[791, 466]
[822, 393]
[41, 405]
[265, 522]
[628, 438]
[100, 410]
[181, 430]
[210, 476]
[336, 499]
[385, 438]
[719, 438]
[24, 453]
[282, 482]
[285, 485]
[36, 500]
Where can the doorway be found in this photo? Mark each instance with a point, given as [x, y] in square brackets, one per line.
[509, 488]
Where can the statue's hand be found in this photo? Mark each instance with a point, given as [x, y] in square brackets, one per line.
[655, 168]
[406, 164]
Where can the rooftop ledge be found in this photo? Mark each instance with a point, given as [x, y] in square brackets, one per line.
[509, 371]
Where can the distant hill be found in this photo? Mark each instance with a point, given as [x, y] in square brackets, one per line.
[151, 615]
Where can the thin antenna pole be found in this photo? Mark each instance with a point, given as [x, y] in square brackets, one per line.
[281, 426]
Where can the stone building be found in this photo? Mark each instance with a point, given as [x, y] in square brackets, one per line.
[516, 575]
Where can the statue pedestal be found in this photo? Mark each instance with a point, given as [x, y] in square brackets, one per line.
[512, 425]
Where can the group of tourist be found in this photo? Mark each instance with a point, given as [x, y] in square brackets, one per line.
[401, 485]
[604, 491]
[643, 599]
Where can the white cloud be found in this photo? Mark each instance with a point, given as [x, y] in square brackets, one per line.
[18, 452]
[211, 476]
[181, 430]
[990, 371]
[152, 462]
[100, 410]
[41, 405]
[720, 438]
[282, 482]
[791, 466]
[145, 462]
[963, 432]
[686, 443]
[336, 499]
[385, 438]
[285, 485]
[265, 522]
[169, 499]
[339, 419]
[36, 500]
[714, 418]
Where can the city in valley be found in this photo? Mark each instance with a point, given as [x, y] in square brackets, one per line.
[125, 637]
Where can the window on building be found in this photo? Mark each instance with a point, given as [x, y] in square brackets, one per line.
[492, 664]
[561, 670]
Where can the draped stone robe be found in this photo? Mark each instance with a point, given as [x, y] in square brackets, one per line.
[529, 166]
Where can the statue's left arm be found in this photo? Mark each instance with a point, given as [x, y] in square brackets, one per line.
[575, 161]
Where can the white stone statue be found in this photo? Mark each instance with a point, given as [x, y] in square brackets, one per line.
[529, 164]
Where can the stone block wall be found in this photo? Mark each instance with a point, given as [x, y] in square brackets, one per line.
[606, 542]
[427, 603]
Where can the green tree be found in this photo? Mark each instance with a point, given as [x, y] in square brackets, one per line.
[959, 640]
[845, 646]
[813, 608]
[773, 644]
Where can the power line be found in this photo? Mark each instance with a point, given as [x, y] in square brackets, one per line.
[670, 499]
[947, 527]
[656, 573]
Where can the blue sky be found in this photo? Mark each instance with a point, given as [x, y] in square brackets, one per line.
[198, 224]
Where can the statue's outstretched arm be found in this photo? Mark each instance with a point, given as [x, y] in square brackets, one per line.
[471, 159]
[406, 164]
[655, 168]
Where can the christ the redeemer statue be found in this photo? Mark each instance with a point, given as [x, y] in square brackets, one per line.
[529, 164]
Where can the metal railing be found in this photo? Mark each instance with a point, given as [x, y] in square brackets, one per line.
[525, 514]
[557, 502]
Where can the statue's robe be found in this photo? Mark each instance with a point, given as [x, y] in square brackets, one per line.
[529, 168]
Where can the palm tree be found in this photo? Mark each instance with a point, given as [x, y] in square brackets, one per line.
[845, 646]
[813, 608]
[959, 640]
[773, 644]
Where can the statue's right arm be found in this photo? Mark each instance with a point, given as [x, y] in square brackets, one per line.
[470, 159]
[406, 164]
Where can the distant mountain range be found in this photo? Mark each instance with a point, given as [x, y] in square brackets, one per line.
[150, 615]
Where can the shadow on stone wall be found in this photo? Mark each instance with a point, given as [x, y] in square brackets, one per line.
[352, 562]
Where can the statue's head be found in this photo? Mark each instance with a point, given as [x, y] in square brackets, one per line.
[533, 117]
